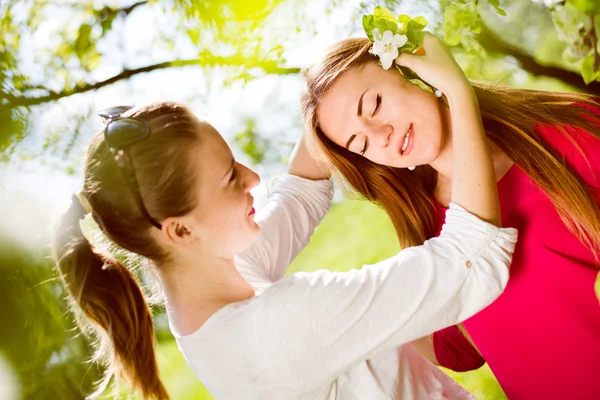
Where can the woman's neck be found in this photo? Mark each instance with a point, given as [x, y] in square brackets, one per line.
[198, 285]
[443, 164]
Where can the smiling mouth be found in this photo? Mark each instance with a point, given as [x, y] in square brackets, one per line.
[406, 140]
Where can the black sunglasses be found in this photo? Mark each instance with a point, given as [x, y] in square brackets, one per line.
[119, 134]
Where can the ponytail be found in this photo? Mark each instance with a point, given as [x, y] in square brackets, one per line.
[109, 296]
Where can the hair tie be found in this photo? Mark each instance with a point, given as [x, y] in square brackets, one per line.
[83, 201]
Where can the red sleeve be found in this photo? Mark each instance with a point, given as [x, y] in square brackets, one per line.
[453, 350]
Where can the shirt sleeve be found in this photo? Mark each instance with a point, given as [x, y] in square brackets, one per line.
[293, 209]
[453, 350]
[315, 326]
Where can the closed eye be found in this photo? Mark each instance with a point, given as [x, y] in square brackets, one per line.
[365, 147]
[377, 105]
[233, 174]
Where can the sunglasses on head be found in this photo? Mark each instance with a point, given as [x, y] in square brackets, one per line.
[119, 134]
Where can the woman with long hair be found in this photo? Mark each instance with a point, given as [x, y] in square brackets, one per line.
[541, 338]
[164, 185]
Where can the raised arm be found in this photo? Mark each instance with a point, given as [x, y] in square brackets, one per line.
[335, 320]
[303, 164]
[473, 178]
[298, 202]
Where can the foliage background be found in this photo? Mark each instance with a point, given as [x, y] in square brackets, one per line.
[236, 63]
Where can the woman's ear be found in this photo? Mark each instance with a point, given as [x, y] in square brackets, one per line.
[179, 232]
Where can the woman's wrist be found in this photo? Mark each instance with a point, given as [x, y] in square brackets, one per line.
[460, 96]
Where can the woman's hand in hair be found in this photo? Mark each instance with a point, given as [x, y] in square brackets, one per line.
[303, 164]
[437, 66]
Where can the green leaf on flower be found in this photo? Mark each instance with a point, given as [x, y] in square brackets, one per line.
[414, 34]
[420, 21]
[589, 7]
[403, 23]
[384, 20]
[368, 25]
[413, 78]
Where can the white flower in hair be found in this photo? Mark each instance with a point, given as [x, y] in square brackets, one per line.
[386, 46]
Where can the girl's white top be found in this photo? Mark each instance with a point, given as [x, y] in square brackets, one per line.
[342, 335]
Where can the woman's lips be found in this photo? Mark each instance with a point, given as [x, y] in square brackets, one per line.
[411, 139]
[252, 212]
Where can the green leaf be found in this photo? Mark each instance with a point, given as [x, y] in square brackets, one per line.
[384, 20]
[587, 69]
[496, 5]
[589, 7]
[83, 42]
[403, 23]
[420, 21]
[597, 286]
[453, 38]
[413, 78]
[368, 25]
[414, 34]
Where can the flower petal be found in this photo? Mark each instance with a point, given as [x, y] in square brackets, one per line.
[378, 47]
[386, 60]
[387, 37]
[399, 40]
[377, 34]
[394, 53]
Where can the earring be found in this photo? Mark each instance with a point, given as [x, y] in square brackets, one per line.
[412, 168]
[438, 93]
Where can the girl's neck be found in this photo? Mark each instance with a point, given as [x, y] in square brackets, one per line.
[198, 286]
[443, 164]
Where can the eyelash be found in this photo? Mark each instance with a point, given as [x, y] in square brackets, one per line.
[233, 174]
[377, 106]
[362, 152]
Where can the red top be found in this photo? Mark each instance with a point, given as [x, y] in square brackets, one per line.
[541, 338]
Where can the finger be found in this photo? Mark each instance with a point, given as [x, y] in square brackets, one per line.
[408, 60]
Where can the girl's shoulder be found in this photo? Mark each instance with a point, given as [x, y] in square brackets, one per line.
[579, 147]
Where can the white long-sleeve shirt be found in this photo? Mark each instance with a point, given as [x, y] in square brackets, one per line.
[341, 335]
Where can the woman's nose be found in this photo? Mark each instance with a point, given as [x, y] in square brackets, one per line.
[382, 135]
[251, 179]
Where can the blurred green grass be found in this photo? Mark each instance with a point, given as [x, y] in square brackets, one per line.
[354, 233]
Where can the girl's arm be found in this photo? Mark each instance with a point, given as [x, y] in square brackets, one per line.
[297, 203]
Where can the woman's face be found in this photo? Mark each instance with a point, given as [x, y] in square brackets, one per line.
[224, 217]
[382, 116]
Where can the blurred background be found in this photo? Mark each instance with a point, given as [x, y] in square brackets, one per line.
[236, 63]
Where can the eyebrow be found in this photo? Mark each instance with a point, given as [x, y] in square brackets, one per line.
[360, 101]
[359, 113]
[230, 168]
[350, 140]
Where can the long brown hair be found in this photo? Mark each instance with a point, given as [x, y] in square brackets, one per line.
[510, 118]
[102, 289]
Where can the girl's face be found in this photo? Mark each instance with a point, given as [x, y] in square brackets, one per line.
[382, 116]
[224, 217]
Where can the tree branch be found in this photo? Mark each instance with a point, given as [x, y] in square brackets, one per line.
[129, 9]
[494, 44]
[207, 60]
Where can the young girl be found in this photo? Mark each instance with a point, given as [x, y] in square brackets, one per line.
[541, 338]
[164, 185]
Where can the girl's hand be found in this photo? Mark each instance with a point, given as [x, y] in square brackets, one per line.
[437, 67]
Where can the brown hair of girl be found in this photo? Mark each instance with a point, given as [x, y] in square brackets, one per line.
[510, 117]
[102, 289]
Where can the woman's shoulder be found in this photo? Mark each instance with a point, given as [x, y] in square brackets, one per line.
[579, 147]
